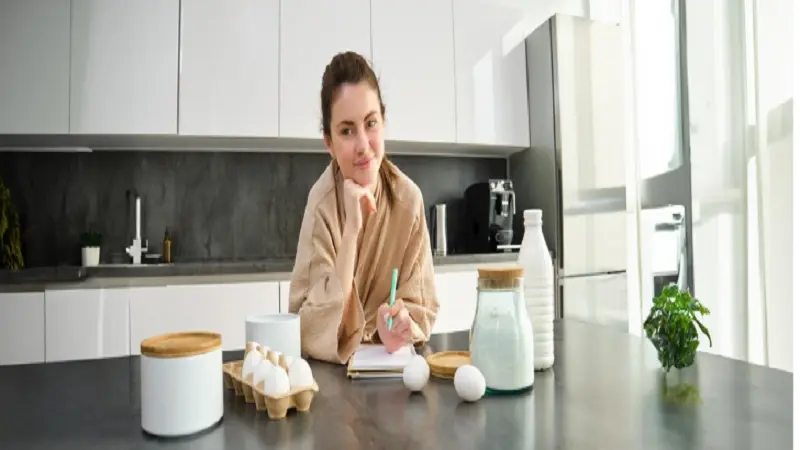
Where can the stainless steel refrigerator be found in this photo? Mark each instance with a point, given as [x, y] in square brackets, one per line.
[575, 168]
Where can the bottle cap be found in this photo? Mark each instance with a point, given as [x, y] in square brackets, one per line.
[532, 215]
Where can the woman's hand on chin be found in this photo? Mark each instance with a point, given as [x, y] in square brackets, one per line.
[357, 199]
[400, 334]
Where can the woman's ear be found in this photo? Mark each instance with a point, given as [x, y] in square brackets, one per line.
[328, 146]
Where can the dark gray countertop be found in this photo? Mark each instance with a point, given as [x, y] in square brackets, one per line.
[268, 269]
[604, 392]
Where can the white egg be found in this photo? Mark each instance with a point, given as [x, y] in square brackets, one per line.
[470, 383]
[251, 361]
[274, 356]
[416, 373]
[262, 371]
[277, 382]
[251, 345]
[289, 360]
[300, 375]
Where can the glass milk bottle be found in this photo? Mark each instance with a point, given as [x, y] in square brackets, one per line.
[501, 342]
[539, 292]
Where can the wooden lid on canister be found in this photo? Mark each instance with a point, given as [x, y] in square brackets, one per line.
[178, 345]
[500, 277]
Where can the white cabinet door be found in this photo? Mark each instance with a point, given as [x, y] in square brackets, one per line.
[21, 328]
[491, 72]
[312, 32]
[284, 296]
[229, 68]
[34, 66]
[457, 293]
[151, 311]
[412, 46]
[221, 308]
[124, 67]
[85, 324]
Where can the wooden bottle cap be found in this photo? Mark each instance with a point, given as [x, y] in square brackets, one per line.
[178, 345]
[500, 277]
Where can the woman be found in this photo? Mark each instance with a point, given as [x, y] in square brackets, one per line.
[363, 218]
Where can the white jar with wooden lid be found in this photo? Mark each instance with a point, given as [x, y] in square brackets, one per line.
[181, 383]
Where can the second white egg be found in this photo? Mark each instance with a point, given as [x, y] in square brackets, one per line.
[416, 373]
[470, 383]
[300, 375]
[262, 371]
[277, 382]
[251, 361]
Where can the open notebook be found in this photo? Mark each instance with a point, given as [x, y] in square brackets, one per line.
[373, 361]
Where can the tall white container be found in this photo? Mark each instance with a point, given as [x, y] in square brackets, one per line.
[539, 292]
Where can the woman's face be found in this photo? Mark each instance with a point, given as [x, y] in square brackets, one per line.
[356, 139]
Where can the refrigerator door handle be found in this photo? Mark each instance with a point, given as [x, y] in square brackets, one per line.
[594, 274]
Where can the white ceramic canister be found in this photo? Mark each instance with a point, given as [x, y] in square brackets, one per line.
[181, 383]
[279, 332]
[539, 288]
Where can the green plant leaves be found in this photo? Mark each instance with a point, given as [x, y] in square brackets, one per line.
[91, 238]
[672, 327]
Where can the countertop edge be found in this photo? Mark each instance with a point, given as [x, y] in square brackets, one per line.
[71, 277]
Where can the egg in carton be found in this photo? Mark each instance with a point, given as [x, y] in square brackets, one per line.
[273, 381]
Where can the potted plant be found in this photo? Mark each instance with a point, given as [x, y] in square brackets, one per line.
[10, 234]
[674, 328]
[91, 241]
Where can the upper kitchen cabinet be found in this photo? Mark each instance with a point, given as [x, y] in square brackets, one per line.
[229, 68]
[312, 32]
[412, 48]
[491, 73]
[124, 67]
[34, 66]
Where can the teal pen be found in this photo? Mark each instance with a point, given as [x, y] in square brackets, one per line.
[392, 295]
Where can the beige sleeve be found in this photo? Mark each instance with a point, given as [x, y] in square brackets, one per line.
[416, 283]
[329, 331]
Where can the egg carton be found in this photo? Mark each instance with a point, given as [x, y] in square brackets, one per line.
[276, 406]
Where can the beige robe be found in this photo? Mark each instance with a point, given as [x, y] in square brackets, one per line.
[390, 238]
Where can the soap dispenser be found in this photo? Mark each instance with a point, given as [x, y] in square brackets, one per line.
[167, 247]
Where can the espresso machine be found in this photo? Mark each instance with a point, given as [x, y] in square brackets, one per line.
[489, 209]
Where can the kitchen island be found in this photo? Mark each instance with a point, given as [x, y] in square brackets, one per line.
[604, 392]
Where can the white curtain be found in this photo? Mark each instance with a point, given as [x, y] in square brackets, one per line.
[739, 104]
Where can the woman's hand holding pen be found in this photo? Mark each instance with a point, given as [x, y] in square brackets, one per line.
[400, 334]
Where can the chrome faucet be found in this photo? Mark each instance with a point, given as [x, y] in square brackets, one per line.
[136, 250]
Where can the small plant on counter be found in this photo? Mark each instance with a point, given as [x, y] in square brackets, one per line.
[672, 326]
[90, 248]
[10, 234]
[91, 238]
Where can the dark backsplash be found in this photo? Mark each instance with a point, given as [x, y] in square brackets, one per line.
[217, 205]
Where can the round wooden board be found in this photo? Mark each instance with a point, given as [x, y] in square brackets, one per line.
[445, 364]
[442, 376]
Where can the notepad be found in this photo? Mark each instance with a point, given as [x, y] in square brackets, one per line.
[373, 361]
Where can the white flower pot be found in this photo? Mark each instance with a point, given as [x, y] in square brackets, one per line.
[90, 256]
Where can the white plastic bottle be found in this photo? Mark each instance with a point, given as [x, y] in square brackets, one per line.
[535, 258]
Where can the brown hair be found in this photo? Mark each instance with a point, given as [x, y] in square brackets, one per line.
[352, 68]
